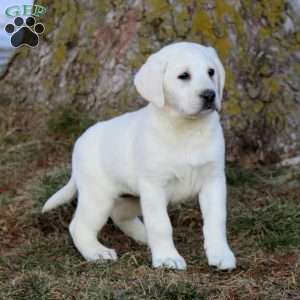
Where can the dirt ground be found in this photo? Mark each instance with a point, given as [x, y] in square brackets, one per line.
[38, 260]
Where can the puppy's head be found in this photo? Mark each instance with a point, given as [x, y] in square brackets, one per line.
[187, 77]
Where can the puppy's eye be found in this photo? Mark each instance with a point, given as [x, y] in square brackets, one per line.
[184, 76]
[211, 72]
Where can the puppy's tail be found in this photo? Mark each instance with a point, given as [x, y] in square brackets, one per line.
[64, 195]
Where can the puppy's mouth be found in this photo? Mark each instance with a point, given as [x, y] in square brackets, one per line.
[203, 111]
[209, 107]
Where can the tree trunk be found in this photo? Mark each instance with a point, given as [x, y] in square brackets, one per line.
[91, 50]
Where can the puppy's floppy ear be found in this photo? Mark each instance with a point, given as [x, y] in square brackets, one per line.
[220, 73]
[149, 79]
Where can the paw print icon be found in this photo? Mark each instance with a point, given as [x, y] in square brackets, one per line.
[24, 33]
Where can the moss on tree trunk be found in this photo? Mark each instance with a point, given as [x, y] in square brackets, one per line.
[91, 49]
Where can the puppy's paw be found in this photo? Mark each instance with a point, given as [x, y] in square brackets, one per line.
[174, 261]
[100, 253]
[221, 257]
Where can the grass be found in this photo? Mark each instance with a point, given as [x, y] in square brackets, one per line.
[39, 261]
[67, 122]
[278, 226]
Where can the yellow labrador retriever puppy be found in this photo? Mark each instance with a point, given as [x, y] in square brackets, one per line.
[169, 151]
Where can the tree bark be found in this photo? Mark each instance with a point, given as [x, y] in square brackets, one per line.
[91, 50]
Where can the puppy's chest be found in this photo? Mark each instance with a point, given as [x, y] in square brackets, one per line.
[189, 157]
[184, 183]
[189, 165]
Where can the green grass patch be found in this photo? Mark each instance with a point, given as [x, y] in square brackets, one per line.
[238, 176]
[32, 287]
[69, 122]
[179, 291]
[49, 183]
[4, 199]
[275, 226]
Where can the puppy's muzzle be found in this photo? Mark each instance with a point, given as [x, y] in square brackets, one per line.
[209, 99]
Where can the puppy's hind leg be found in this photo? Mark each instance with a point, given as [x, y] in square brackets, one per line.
[125, 215]
[93, 210]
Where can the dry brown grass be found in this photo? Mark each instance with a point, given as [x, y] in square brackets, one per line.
[38, 260]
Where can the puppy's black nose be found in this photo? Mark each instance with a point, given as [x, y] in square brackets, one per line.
[209, 97]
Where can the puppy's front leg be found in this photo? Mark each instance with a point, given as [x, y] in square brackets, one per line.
[159, 228]
[213, 205]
